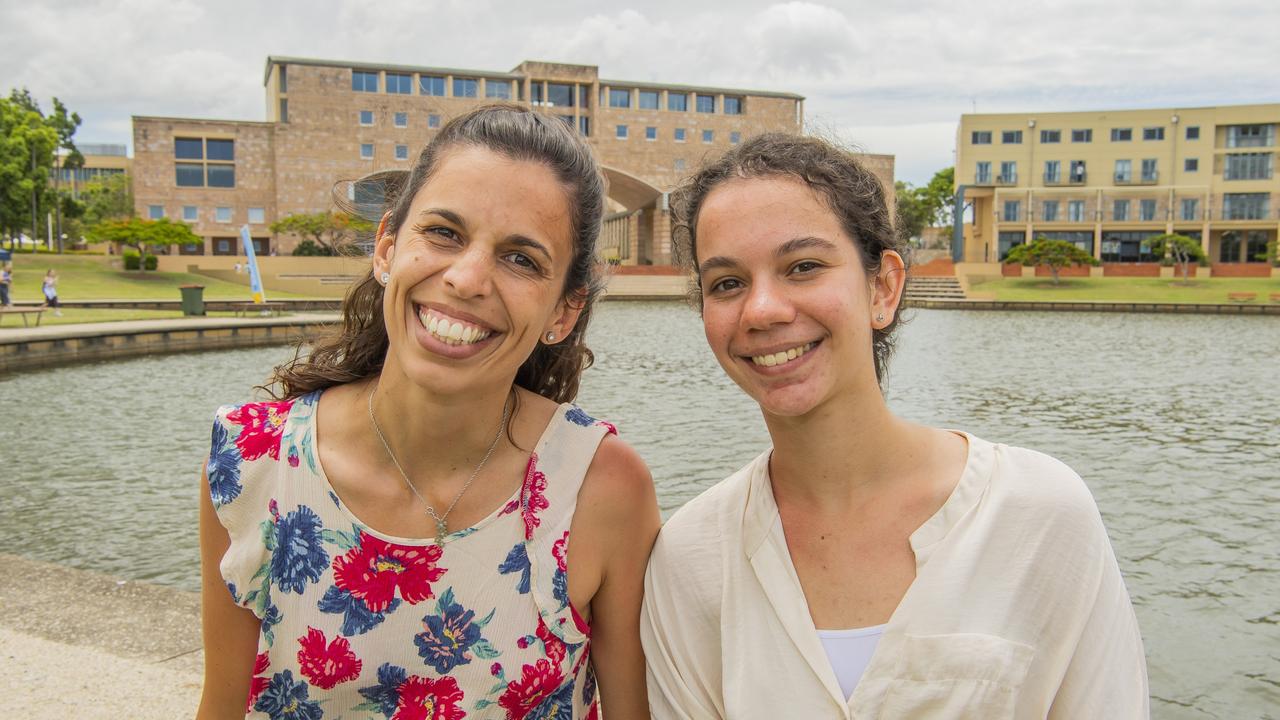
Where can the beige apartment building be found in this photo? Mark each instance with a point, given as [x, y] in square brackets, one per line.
[331, 121]
[1108, 180]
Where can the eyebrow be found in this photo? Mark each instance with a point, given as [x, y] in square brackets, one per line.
[530, 243]
[517, 240]
[449, 215]
[793, 245]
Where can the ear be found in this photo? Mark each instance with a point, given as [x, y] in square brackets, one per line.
[384, 248]
[564, 318]
[886, 290]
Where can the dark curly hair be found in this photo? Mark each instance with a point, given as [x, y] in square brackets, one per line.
[358, 348]
[854, 194]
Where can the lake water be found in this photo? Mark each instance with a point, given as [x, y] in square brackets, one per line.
[1171, 420]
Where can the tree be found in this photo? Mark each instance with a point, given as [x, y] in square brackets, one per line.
[913, 214]
[108, 198]
[940, 196]
[332, 231]
[928, 206]
[28, 142]
[1055, 254]
[141, 234]
[1180, 248]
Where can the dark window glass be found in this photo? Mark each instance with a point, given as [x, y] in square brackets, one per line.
[399, 84]
[649, 99]
[364, 81]
[284, 79]
[431, 85]
[619, 98]
[1121, 134]
[621, 132]
[1050, 136]
[1255, 246]
[680, 132]
[536, 93]
[223, 176]
[1082, 136]
[500, 89]
[733, 106]
[560, 94]
[678, 102]
[584, 96]
[735, 137]
[706, 103]
[1193, 132]
[190, 174]
[708, 136]
[1009, 240]
[284, 110]
[465, 87]
[584, 125]
[1153, 133]
[1191, 164]
[402, 152]
[651, 133]
[981, 137]
[1011, 137]
[221, 149]
[188, 148]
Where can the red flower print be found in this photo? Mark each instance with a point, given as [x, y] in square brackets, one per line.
[375, 569]
[426, 699]
[613, 429]
[326, 664]
[553, 647]
[259, 684]
[532, 498]
[263, 423]
[536, 683]
[561, 552]
[594, 712]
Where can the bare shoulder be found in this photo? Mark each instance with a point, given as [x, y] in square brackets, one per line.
[618, 484]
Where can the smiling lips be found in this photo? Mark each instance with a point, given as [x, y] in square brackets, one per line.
[782, 357]
[451, 331]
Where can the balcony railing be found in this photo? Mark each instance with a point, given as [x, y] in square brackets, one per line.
[1053, 178]
[1149, 178]
[982, 179]
[1124, 179]
[1077, 178]
[1010, 179]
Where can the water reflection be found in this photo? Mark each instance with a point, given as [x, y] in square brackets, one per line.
[1170, 419]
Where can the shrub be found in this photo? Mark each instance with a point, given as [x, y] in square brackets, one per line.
[131, 262]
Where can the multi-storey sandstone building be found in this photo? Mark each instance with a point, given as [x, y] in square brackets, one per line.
[330, 121]
[1109, 180]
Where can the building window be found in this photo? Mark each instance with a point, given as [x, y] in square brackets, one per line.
[1008, 173]
[366, 151]
[224, 150]
[1191, 164]
[535, 93]
[567, 120]
[431, 85]
[221, 176]
[433, 121]
[560, 94]
[679, 164]
[1012, 210]
[224, 246]
[981, 137]
[1255, 249]
[366, 117]
[708, 136]
[1245, 206]
[222, 214]
[649, 99]
[1121, 134]
[1248, 166]
[1120, 210]
[1193, 132]
[284, 110]
[1251, 136]
[189, 174]
[1008, 241]
[1077, 172]
[364, 81]
[1050, 136]
[584, 96]
[190, 213]
[402, 152]
[620, 132]
[1052, 172]
[1153, 133]
[735, 137]
[584, 125]
[1075, 211]
[1082, 136]
[402, 119]
[732, 105]
[155, 212]
[399, 84]
[1149, 172]
[188, 148]
[678, 102]
[497, 89]
[1011, 137]
[257, 216]
[651, 133]
[982, 173]
[284, 79]
[1190, 209]
[1124, 171]
[680, 133]
[705, 103]
[1050, 213]
[1147, 210]
[619, 98]
[465, 87]
[1126, 247]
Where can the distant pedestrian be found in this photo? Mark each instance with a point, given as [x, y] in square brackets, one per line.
[6, 279]
[50, 290]
[237, 267]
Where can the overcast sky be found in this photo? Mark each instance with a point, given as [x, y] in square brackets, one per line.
[890, 77]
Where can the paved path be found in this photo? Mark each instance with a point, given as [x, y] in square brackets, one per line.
[128, 327]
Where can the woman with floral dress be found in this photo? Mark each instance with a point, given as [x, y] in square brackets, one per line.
[424, 526]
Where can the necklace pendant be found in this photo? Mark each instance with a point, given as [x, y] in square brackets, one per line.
[442, 529]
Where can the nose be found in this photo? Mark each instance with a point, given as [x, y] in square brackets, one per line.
[471, 273]
[766, 305]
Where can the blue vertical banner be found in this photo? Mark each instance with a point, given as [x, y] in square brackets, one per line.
[255, 278]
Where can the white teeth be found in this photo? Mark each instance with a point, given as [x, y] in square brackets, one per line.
[451, 332]
[785, 356]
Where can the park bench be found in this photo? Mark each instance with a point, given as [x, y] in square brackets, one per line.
[275, 308]
[24, 312]
[1242, 297]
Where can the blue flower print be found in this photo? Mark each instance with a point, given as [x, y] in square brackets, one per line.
[271, 617]
[577, 416]
[299, 556]
[558, 706]
[235, 596]
[448, 635]
[357, 618]
[384, 696]
[517, 561]
[286, 699]
[589, 685]
[560, 588]
[223, 467]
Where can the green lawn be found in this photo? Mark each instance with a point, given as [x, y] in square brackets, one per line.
[1154, 290]
[88, 277]
[93, 315]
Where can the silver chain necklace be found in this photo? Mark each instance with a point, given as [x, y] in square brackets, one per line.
[442, 526]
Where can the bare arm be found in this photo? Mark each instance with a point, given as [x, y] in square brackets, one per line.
[614, 528]
[230, 632]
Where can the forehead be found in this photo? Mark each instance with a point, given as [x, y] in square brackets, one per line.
[747, 216]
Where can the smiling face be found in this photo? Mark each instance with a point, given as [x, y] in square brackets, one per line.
[787, 305]
[477, 272]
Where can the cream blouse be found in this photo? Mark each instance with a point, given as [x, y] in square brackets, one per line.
[1018, 609]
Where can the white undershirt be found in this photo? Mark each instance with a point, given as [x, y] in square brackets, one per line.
[850, 652]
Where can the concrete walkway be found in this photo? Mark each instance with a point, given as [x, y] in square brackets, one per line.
[133, 327]
[83, 645]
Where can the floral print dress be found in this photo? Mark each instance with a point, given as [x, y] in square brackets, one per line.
[358, 624]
